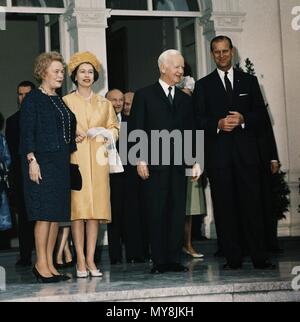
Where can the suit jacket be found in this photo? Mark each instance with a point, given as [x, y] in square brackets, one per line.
[151, 110]
[211, 105]
[267, 145]
[38, 125]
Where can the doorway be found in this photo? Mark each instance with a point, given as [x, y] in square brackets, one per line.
[135, 43]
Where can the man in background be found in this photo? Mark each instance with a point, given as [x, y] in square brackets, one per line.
[128, 97]
[125, 226]
[12, 133]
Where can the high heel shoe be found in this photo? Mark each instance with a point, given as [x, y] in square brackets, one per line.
[63, 277]
[81, 274]
[95, 273]
[194, 255]
[69, 264]
[42, 279]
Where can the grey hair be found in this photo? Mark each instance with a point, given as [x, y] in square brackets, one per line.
[166, 55]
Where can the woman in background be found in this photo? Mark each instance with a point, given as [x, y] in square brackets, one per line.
[5, 161]
[195, 202]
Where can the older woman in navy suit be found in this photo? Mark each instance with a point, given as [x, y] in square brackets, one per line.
[48, 133]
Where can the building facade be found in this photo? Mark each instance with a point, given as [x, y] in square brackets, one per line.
[127, 36]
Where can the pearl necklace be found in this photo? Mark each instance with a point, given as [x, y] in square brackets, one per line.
[86, 98]
[67, 140]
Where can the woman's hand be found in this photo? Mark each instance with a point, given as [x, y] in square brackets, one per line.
[35, 172]
[196, 172]
[80, 136]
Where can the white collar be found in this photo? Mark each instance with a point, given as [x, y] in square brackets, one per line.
[222, 73]
[119, 116]
[165, 87]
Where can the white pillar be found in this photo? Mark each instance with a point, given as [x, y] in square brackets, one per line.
[86, 23]
[221, 17]
[290, 37]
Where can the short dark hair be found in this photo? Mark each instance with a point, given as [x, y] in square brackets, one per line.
[73, 75]
[2, 121]
[218, 39]
[26, 84]
[187, 69]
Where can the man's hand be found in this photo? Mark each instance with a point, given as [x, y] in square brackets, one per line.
[143, 170]
[196, 172]
[236, 118]
[232, 121]
[275, 167]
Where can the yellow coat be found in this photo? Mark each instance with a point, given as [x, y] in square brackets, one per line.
[93, 201]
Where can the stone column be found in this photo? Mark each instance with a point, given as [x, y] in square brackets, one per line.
[220, 17]
[290, 34]
[86, 22]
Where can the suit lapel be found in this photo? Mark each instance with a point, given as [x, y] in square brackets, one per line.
[220, 86]
[177, 98]
[236, 86]
[162, 94]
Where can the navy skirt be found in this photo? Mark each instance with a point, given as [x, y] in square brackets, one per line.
[51, 199]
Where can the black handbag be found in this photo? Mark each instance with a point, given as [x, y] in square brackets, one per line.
[75, 177]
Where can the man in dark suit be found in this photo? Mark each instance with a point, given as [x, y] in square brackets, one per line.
[126, 224]
[156, 108]
[12, 133]
[230, 109]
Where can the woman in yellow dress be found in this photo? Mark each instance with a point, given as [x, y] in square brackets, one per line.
[90, 205]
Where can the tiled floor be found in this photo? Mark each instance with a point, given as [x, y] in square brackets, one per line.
[205, 281]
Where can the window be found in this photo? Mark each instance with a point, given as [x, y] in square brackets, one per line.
[3, 3]
[38, 3]
[176, 5]
[188, 43]
[127, 4]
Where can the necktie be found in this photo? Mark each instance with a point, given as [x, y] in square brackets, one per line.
[170, 98]
[229, 89]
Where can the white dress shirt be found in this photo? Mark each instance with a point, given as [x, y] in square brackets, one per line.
[230, 76]
[119, 116]
[165, 87]
[231, 79]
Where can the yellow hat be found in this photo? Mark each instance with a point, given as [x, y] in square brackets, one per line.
[81, 58]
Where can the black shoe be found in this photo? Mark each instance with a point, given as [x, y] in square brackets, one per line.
[70, 264]
[24, 263]
[115, 262]
[276, 250]
[158, 269]
[42, 279]
[265, 265]
[63, 277]
[229, 267]
[219, 253]
[176, 267]
[135, 261]
[59, 266]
